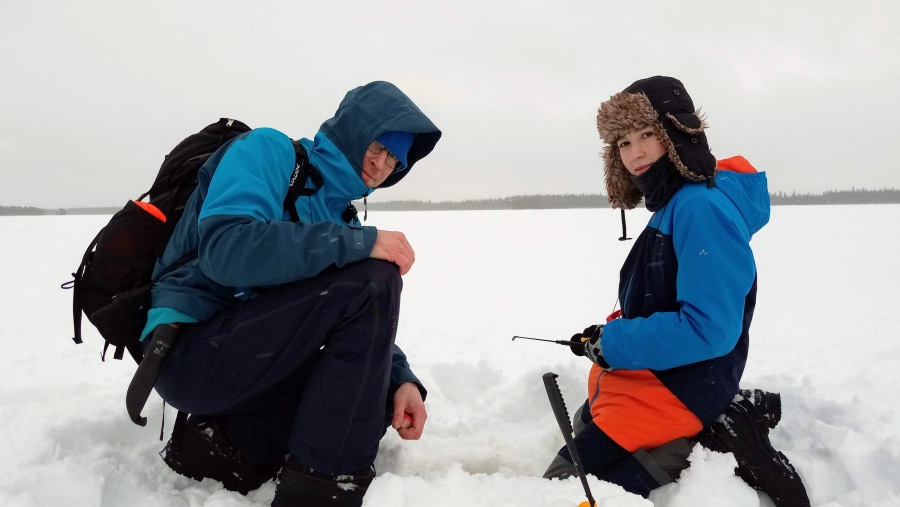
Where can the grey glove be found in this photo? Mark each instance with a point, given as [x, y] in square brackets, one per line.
[579, 339]
[593, 349]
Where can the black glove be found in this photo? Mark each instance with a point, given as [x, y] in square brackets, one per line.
[579, 339]
[593, 348]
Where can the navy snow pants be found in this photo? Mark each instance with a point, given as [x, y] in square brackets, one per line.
[303, 369]
[602, 457]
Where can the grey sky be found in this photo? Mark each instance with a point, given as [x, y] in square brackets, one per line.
[93, 94]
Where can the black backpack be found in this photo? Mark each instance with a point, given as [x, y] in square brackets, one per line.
[112, 284]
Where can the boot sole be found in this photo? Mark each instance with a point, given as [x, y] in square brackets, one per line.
[759, 464]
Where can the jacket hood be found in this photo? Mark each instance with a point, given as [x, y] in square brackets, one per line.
[661, 102]
[371, 110]
[747, 189]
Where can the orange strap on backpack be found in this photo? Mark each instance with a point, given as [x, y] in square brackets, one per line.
[152, 209]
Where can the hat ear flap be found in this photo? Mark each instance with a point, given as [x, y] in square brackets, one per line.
[687, 145]
[621, 192]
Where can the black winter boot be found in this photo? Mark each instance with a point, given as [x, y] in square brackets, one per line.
[199, 449]
[299, 486]
[768, 406]
[738, 431]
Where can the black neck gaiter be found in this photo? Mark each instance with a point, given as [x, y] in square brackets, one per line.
[659, 183]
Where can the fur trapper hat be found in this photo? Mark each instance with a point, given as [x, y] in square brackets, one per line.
[663, 103]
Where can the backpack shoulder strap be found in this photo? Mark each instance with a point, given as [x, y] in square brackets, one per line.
[77, 275]
[303, 172]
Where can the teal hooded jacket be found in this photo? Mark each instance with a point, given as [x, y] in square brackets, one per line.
[235, 219]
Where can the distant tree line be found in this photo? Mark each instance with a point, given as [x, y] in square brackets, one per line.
[21, 210]
[515, 202]
[541, 201]
[564, 201]
[853, 196]
[30, 210]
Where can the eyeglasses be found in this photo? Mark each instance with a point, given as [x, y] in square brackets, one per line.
[392, 161]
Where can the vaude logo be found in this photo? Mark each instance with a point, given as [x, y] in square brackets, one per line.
[296, 173]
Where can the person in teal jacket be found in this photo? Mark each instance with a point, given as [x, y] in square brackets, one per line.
[285, 356]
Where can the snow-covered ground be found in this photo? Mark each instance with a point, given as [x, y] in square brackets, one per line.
[824, 335]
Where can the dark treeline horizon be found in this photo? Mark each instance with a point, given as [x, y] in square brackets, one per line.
[522, 202]
[565, 201]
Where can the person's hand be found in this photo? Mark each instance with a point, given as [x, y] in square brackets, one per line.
[578, 340]
[393, 247]
[408, 402]
[593, 348]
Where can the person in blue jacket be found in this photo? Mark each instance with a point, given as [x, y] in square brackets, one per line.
[285, 356]
[667, 368]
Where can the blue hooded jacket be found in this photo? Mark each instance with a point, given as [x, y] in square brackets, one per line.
[688, 290]
[235, 219]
